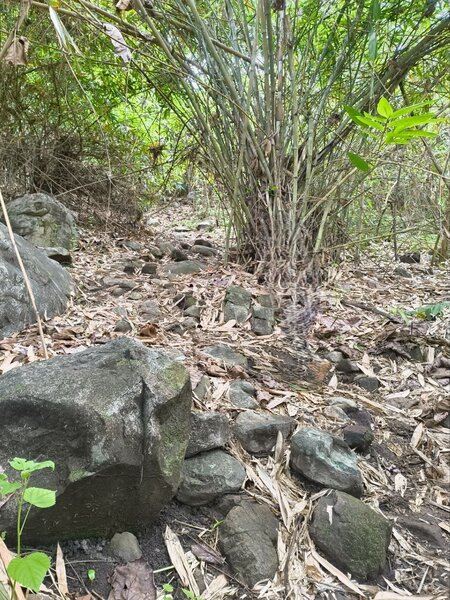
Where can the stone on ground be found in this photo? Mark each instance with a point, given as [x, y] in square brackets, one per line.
[248, 539]
[209, 430]
[371, 384]
[242, 394]
[185, 267]
[327, 460]
[236, 304]
[116, 421]
[263, 315]
[257, 432]
[207, 476]
[352, 536]
[358, 437]
[43, 221]
[60, 255]
[203, 250]
[125, 546]
[50, 283]
[226, 355]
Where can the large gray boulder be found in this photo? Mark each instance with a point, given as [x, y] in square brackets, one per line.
[115, 419]
[43, 221]
[352, 535]
[50, 283]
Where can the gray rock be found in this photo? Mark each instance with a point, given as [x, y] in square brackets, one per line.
[193, 311]
[371, 384]
[242, 394]
[132, 266]
[336, 412]
[209, 430]
[149, 268]
[343, 403]
[207, 476]
[248, 539]
[226, 355]
[189, 323]
[358, 437]
[132, 245]
[203, 242]
[410, 258]
[334, 356]
[50, 282]
[402, 272]
[116, 421]
[361, 416]
[352, 536]
[265, 300]
[203, 250]
[185, 267]
[203, 387]
[185, 300]
[347, 366]
[60, 255]
[125, 546]
[123, 284]
[206, 225]
[131, 295]
[262, 326]
[123, 326]
[120, 311]
[43, 221]
[149, 310]
[164, 247]
[325, 459]
[178, 255]
[257, 432]
[155, 251]
[236, 304]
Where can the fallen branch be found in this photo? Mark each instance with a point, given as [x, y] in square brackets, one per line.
[372, 309]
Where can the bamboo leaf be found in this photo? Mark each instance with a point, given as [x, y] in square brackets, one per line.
[384, 108]
[407, 109]
[358, 162]
[372, 45]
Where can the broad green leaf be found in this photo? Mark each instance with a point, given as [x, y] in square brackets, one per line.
[358, 162]
[425, 119]
[371, 123]
[354, 115]
[372, 45]
[379, 119]
[29, 571]
[22, 464]
[407, 109]
[40, 497]
[384, 108]
[8, 488]
[408, 134]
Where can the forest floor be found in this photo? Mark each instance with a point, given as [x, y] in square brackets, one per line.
[406, 473]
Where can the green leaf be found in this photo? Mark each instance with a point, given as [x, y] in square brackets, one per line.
[8, 488]
[29, 571]
[40, 497]
[354, 115]
[91, 574]
[29, 466]
[408, 134]
[371, 123]
[376, 10]
[358, 162]
[414, 121]
[407, 109]
[384, 108]
[372, 44]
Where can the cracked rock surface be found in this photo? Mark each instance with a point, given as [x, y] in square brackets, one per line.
[116, 421]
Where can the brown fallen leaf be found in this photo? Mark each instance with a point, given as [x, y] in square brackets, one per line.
[149, 330]
[17, 54]
[133, 581]
[206, 554]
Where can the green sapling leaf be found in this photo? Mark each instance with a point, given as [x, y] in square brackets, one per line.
[29, 466]
[40, 497]
[29, 571]
[384, 108]
[358, 162]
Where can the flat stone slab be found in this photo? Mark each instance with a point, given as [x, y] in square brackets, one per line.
[209, 475]
[257, 432]
[242, 394]
[226, 355]
[184, 267]
[352, 536]
[326, 460]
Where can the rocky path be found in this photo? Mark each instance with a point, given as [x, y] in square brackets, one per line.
[373, 425]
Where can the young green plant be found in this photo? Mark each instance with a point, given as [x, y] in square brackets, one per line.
[30, 570]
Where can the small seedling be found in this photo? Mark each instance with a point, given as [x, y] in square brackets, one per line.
[91, 575]
[190, 595]
[167, 589]
[30, 570]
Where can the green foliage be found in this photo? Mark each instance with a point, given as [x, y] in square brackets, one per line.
[91, 574]
[167, 589]
[394, 127]
[427, 312]
[30, 570]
